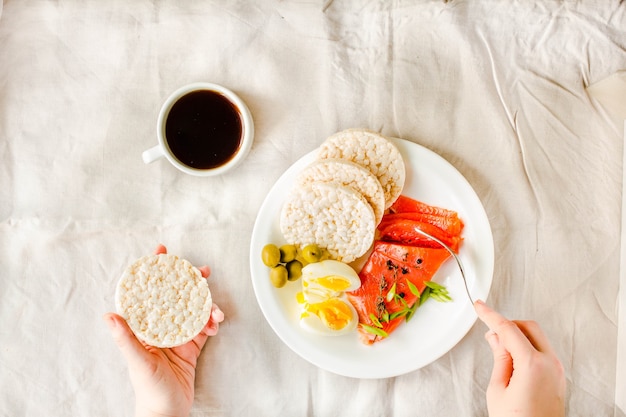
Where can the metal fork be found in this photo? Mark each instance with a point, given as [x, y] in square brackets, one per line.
[456, 258]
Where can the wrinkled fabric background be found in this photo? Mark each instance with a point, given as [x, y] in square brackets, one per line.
[496, 88]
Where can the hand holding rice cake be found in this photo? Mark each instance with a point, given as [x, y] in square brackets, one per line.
[164, 299]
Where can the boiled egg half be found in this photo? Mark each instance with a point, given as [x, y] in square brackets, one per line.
[325, 307]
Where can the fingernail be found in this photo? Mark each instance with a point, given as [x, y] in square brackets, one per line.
[205, 271]
[217, 315]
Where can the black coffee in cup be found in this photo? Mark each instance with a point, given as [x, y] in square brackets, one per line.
[203, 129]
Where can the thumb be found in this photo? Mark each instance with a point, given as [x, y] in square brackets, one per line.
[131, 348]
[502, 362]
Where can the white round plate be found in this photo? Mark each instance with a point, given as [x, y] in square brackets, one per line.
[435, 328]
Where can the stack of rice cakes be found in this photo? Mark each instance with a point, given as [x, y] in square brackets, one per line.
[339, 199]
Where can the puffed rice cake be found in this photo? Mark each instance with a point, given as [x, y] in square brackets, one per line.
[334, 217]
[372, 151]
[345, 173]
[164, 299]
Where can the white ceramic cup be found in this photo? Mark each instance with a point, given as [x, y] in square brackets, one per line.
[163, 149]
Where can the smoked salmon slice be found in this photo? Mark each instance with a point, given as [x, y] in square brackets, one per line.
[404, 231]
[397, 269]
[406, 204]
[450, 225]
[402, 264]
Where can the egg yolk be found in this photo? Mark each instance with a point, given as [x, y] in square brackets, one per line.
[332, 282]
[334, 313]
[300, 298]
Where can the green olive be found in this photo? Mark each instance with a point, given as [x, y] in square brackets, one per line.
[312, 253]
[300, 257]
[278, 276]
[270, 255]
[287, 253]
[294, 270]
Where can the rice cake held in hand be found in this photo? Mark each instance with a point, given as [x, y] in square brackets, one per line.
[347, 174]
[372, 151]
[164, 299]
[334, 217]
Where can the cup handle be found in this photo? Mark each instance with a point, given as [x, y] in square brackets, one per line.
[152, 154]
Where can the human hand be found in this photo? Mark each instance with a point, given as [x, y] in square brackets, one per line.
[163, 379]
[527, 378]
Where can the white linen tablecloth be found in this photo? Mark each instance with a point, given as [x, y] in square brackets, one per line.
[496, 88]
